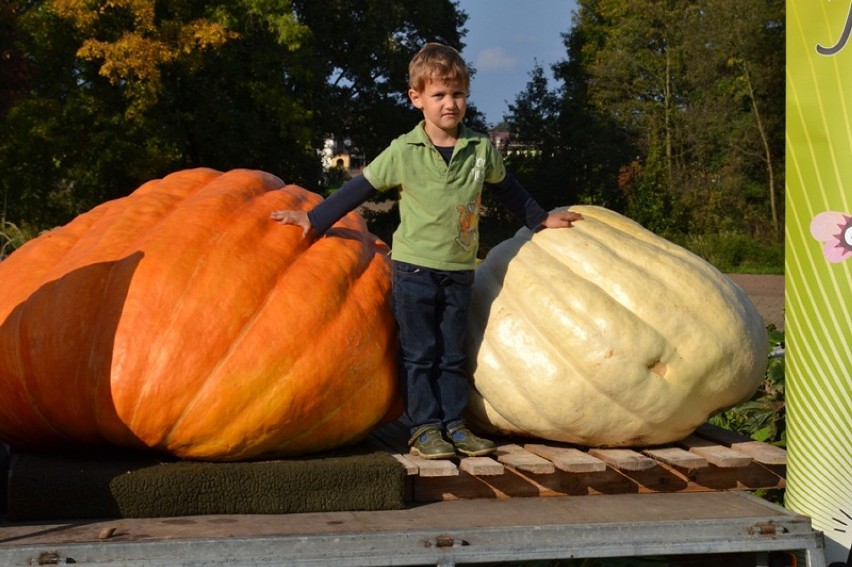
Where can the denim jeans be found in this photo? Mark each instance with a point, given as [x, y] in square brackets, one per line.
[431, 308]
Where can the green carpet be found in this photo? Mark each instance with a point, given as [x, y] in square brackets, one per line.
[128, 485]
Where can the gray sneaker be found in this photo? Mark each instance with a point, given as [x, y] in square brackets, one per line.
[469, 444]
[428, 443]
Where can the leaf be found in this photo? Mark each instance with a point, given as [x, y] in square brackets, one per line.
[776, 338]
[763, 434]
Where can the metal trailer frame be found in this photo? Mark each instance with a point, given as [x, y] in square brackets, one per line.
[442, 533]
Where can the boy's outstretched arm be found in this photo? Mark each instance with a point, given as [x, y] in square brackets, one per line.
[298, 218]
[561, 219]
[521, 203]
[319, 219]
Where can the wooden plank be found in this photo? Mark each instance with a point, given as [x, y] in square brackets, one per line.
[433, 467]
[379, 443]
[721, 456]
[677, 457]
[516, 457]
[662, 478]
[567, 459]
[410, 466]
[624, 459]
[763, 453]
[481, 466]
[511, 484]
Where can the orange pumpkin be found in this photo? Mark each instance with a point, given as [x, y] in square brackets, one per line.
[181, 318]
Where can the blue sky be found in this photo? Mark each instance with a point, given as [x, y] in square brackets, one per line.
[505, 39]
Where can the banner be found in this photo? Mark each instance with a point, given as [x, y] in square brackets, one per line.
[818, 271]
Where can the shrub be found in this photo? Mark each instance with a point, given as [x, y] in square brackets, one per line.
[763, 417]
[735, 252]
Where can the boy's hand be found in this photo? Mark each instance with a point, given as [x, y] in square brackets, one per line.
[561, 219]
[296, 218]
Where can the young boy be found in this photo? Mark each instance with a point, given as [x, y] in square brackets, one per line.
[440, 168]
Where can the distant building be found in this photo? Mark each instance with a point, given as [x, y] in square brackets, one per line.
[337, 154]
[502, 140]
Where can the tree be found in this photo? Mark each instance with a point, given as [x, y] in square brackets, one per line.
[679, 106]
[121, 92]
[13, 69]
[578, 150]
[595, 146]
[738, 65]
[534, 113]
[362, 48]
[637, 78]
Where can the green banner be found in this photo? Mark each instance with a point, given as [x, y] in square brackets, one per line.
[818, 280]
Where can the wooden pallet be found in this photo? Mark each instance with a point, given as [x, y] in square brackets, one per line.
[711, 459]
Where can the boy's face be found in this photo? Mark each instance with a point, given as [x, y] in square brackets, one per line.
[443, 104]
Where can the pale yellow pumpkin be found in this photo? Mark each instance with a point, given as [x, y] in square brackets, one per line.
[605, 334]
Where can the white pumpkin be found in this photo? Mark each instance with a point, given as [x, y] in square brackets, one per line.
[605, 334]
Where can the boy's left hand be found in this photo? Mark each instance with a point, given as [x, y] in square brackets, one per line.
[561, 219]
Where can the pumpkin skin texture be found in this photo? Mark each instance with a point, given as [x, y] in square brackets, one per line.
[181, 318]
[605, 334]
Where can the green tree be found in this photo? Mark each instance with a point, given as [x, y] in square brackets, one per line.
[699, 88]
[13, 69]
[671, 111]
[124, 91]
[535, 137]
[594, 145]
[361, 49]
[637, 72]
[577, 150]
[738, 68]
[95, 119]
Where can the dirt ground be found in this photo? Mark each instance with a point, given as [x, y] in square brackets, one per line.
[767, 294]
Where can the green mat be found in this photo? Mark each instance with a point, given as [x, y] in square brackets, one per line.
[132, 485]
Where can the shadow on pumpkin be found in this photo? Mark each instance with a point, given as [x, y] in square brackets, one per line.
[488, 284]
[345, 233]
[56, 355]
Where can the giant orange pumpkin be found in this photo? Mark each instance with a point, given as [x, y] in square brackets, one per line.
[181, 318]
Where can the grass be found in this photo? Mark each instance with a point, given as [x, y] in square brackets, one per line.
[13, 237]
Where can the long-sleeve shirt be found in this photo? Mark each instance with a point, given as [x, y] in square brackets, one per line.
[440, 196]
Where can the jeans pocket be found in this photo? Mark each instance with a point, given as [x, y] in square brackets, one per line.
[405, 269]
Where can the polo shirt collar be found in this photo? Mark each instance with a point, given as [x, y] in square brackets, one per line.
[418, 136]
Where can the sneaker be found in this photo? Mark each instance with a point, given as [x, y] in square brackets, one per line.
[469, 444]
[428, 443]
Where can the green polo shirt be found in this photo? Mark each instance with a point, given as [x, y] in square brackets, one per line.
[439, 203]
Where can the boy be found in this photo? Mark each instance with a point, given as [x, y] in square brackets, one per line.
[440, 168]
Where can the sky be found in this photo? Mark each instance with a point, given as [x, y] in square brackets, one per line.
[505, 39]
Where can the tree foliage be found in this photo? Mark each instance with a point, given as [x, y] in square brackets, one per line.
[669, 110]
[99, 96]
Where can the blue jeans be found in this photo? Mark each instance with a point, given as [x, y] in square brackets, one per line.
[431, 307]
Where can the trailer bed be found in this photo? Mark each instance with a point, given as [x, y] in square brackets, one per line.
[436, 533]
[531, 500]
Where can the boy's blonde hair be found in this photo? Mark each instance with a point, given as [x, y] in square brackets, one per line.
[437, 61]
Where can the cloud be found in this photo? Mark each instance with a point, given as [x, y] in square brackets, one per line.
[495, 59]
